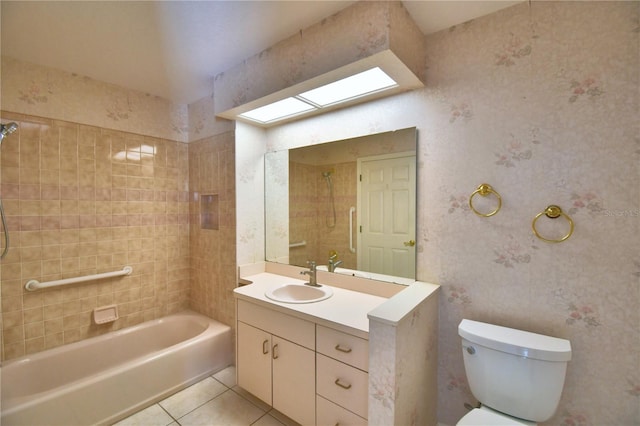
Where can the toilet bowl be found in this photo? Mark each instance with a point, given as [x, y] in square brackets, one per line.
[516, 375]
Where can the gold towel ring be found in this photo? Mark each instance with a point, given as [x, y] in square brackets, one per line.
[484, 190]
[552, 212]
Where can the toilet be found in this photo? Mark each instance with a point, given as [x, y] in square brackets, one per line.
[517, 376]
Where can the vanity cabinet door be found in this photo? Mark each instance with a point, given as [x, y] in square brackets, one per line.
[279, 372]
[294, 385]
[254, 361]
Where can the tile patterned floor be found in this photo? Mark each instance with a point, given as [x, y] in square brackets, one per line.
[216, 400]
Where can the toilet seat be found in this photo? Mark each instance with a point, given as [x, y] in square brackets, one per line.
[485, 416]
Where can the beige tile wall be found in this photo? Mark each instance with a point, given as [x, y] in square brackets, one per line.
[213, 251]
[82, 200]
[304, 223]
[345, 195]
[311, 212]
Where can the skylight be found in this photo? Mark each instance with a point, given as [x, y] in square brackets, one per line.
[356, 86]
[278, 110]
[364, 83]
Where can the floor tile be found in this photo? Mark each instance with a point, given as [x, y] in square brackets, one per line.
[252, 399]
[267, 420]
[192, 397]
[227, 376]
[150, 416]
[228, 409]
[282, 418]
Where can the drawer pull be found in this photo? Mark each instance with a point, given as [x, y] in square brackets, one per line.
[341, 349]
[275, 351]
[265, 347]
[343, 386]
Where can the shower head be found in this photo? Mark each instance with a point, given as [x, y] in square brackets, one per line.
[6, 129]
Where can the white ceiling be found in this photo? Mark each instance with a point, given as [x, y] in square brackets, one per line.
[173, 49]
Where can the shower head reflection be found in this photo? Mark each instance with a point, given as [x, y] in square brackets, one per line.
[7, 129]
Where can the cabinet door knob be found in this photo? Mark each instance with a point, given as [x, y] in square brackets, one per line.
[265, 347]
[341, 349]
[275, 351]
[342, 385]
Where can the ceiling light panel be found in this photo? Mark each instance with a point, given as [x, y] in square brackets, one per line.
[278, 110]
[361, 84]
[373, 77]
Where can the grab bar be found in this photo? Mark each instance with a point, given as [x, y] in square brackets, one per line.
[352, 210]
[33, 285]
[298, 244]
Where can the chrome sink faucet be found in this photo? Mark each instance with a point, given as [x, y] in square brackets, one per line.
[312, 274]
[333, 264]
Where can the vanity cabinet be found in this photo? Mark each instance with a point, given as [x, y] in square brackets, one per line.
[276, 360]
[336, 332]
[311, 373]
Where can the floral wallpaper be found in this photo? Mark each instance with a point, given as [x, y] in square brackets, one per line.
[202, 120]
[541, 101]
[46, 92]
[250, 183]
[401, 391]
[370, 27]
[564, 127]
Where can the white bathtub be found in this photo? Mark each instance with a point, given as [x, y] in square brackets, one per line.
[106, 378]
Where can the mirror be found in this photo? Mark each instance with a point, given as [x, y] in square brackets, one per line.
[348, 205]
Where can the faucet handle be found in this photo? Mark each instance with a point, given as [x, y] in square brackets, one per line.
[312, 264]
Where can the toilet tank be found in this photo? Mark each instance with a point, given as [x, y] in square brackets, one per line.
[513, 371]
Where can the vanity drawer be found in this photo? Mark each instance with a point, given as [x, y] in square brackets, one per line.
[342, 384]
[343, 347]
[329, 414]
[291, 328]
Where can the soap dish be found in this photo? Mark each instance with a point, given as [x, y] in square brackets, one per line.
[105, 314]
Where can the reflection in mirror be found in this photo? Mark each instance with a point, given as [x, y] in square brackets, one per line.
[348, 205]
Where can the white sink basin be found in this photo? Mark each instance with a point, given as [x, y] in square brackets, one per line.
[299, 293]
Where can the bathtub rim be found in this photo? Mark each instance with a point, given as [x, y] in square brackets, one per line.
[111, 335]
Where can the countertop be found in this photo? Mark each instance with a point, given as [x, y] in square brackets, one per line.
[346, 310]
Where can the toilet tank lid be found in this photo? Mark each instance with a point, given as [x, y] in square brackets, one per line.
[517, 342]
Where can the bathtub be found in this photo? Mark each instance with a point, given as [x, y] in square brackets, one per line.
[106, 378]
